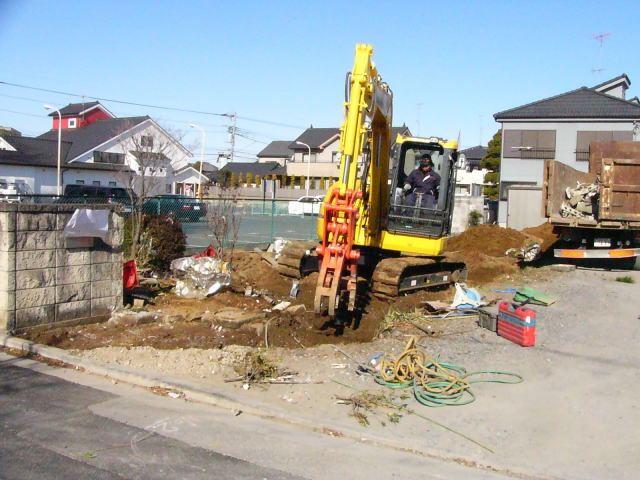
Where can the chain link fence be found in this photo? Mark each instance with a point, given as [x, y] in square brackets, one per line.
[260, 221]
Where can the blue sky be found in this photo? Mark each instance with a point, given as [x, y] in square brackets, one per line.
[280, 65]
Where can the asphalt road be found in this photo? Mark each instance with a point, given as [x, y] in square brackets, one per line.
[257, 229]
[47, 431]
[59, 423]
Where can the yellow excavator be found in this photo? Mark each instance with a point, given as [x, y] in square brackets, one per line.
[367, 228]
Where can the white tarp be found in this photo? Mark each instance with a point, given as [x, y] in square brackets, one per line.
[87, 223]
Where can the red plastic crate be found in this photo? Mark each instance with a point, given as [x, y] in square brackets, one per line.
[517, 324]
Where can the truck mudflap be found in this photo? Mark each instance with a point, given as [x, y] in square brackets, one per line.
[596, 253]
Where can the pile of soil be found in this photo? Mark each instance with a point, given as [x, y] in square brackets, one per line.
[542, 234]
[489, 240]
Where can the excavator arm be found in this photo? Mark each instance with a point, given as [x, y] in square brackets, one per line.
[357, 199]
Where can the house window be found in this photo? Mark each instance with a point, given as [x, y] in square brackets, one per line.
[96, 183]
[584, 138]
[146, 141]
[305, 156]
[79, 182]
[529, 144]
[72, 123]
[112, 184]
[108, 157]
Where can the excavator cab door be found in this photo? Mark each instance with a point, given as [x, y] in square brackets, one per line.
[412, 211]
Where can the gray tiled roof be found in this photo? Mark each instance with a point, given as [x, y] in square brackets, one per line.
[613, 80]
[33, 151]
[257, 168]
[94, 134]
[41, 152]
[581, 103]
[472, 153]
[277, 149]
[314, 137]
[75, 108]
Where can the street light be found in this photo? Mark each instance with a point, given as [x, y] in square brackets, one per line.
[308, 165]
[49, 107]
[204, 137]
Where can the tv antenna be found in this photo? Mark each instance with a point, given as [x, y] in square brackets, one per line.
[600, 38]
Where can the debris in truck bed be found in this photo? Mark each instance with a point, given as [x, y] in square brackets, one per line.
[581, 201]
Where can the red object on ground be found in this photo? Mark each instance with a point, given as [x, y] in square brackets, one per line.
[207, 252]
[130, 274]
[517, 324]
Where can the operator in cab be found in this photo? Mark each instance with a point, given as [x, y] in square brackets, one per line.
[423, 180]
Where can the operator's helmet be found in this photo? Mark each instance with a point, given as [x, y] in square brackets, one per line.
[425, 160]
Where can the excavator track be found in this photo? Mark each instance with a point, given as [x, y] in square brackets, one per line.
[393, 276]
[297, 258]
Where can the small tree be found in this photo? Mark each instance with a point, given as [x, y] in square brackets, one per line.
[292, 181]
[224, 222]
[240, 179]
[258, 180]
[283, 181]
[303, 181]
[249, 179]
[312, 184]
[474, 218]
[233, 181]
[491, 161]
[322, 185]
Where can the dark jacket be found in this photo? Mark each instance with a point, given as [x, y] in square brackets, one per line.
[426, 183]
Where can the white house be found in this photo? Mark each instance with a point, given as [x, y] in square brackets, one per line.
[96, 149]
[561, 128]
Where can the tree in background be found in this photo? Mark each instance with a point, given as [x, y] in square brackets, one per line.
[491, 162]
[233, 180]
[292, 181]
[312, 184]
[258, 180]
[322, 183]
[249, 179]
[303, 181]
[240, 179]
[283, 181]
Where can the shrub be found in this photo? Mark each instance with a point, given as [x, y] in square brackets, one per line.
[162, 240]
[474, 218]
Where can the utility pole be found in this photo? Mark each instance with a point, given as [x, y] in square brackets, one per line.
[232, 134]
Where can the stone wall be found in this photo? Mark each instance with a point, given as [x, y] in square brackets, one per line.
[45, 279]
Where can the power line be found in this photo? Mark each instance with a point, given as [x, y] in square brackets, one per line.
[20, 113]
[160, 107]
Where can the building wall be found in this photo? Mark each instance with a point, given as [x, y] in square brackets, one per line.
[72, 176]
[463, 205]
[530, 171]
[39, 179]
[44, 279]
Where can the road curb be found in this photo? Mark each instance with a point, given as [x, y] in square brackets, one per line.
[212, 396]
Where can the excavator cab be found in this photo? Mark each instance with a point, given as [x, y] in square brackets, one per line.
[425, 215]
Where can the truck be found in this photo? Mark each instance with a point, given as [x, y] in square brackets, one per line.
[596, 214]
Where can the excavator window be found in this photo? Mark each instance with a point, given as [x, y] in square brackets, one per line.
[421, 211]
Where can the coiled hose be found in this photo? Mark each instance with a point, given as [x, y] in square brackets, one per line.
[434, 383]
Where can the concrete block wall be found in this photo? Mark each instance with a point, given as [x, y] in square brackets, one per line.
[43, 280]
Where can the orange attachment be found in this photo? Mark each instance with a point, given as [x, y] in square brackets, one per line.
[338, 256]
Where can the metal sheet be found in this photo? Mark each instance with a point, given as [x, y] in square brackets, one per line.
[620, 192]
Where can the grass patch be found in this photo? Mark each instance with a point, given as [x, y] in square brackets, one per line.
[626, 279]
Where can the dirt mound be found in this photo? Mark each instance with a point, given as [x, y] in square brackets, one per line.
[489, 240]
[250, 269]
[542, 234]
